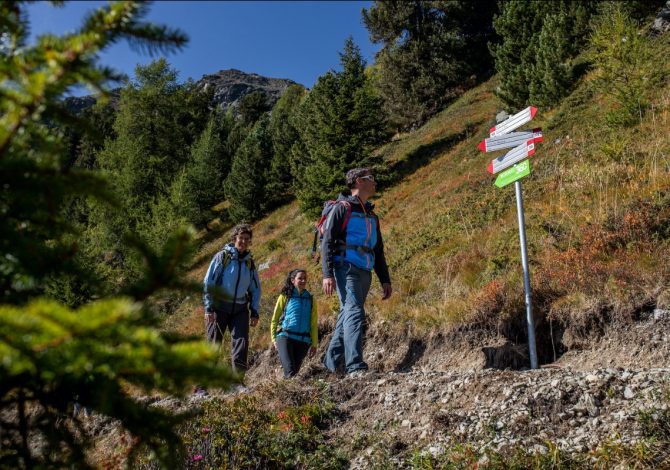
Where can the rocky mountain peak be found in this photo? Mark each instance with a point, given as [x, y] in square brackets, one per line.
[231, 85]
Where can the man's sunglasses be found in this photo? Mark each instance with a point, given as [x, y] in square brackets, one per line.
[368, 177]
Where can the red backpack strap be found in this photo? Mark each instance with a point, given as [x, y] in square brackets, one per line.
[347, 216]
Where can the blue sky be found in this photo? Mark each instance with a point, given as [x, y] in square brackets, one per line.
[299, 40]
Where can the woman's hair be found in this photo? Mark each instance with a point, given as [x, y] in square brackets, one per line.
[287, 290]
[239, 229]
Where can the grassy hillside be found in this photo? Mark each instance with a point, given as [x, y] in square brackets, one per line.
[597, 218]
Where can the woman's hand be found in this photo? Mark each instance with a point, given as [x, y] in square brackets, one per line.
[210, 317]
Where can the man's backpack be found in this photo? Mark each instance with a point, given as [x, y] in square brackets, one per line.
[328, 207]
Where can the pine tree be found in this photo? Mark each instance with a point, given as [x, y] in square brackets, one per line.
[626, 64]
[535, 56]
[156, 124]
[103, 350]
[431, 52]
[200, 186]
[245, 184]
[252, 107]
[284, 135]
[341, 122]
[550, 77]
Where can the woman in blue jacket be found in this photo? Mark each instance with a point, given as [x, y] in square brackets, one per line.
[232, 295]
[294, 323]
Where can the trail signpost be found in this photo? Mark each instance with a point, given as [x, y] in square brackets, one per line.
[516, 166]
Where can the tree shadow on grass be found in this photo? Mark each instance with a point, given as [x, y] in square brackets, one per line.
[424, 154]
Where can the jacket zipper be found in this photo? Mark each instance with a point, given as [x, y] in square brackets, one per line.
[237, 284]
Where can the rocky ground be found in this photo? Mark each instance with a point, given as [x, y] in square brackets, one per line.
[426, 397]
[430, 394]
[498, 410]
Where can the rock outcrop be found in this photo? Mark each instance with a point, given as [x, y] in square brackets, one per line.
[230, 86]
[662, 22]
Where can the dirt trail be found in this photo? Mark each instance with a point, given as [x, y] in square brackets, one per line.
[429, 393]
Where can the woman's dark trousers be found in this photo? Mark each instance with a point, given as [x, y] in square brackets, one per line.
[291, 354]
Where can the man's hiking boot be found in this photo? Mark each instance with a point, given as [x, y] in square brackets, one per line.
[358, 373]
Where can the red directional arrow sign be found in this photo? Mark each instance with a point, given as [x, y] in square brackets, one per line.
[510, 158]
[510, 140]
[514, 122]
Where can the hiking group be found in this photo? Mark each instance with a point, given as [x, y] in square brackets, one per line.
[351, 248]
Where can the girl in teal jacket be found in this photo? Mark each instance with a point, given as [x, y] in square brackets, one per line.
[294, 323]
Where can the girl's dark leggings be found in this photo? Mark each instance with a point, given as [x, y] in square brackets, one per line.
[291, 354]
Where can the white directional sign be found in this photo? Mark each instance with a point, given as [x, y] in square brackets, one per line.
[513, 156]
[514, 122]
[510, 140]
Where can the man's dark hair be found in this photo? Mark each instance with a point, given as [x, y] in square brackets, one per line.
[356, 173]
[239, 229]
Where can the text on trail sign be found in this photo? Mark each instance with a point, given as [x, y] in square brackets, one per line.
[513, 174]
[510, 158]
[514, 122]
[510, 140]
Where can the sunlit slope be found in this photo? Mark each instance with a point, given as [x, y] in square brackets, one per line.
[597, 217]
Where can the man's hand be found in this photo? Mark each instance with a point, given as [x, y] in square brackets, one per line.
[253, 321]
[328, 285]
[312, 351]
[210, 317]
[388, 290]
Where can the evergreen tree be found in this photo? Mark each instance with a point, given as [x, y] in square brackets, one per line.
[245, 184]
[431, 52]
[550, 77]
[535, 56]
[156, 124]
[341, 121]
[107, 351]
[284, 135]
[252, 107]
[200, 185]
[626, 64]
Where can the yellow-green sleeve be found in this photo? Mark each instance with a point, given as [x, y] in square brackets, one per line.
[274, 323]
[315, 324]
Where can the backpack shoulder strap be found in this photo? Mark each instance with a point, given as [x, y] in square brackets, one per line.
[225, 258]
[347, 215]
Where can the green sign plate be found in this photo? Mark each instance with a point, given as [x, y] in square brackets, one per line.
[513, 174]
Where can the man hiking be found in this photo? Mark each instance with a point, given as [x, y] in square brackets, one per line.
[350, 249]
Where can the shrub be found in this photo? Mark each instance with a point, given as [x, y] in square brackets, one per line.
[627, 66]
[249, 432]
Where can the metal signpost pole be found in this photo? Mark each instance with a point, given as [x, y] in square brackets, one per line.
[526, 276]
